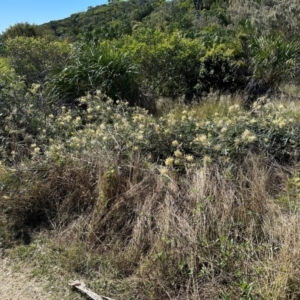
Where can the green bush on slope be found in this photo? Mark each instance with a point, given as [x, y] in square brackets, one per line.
[97, 66]
[36, 58]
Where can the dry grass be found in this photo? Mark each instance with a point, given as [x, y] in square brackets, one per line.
[227, 231]
[19, 285]
[213, 233]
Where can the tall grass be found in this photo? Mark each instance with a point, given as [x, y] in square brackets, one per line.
[212, 233]
[203, 229]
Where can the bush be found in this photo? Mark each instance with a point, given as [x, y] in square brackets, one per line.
[113, 177]
[267, 16]
[36, 58]
[169, 63]
[97, 66]
[19, 29]
[272, 60]
[178, 140]
[24, 117]
[173, 65]
[220, 71]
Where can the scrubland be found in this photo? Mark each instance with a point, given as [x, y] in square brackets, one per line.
[201, 202]
[152, 150]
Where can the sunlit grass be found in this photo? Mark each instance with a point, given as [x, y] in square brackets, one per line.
[134, 203]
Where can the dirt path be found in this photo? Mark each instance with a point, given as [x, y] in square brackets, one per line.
[17, 285]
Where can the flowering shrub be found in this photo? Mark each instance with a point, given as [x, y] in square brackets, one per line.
[23, 117]
[233, 135]
[176, 141]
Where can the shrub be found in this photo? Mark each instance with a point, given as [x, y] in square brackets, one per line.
[181, 136]
[221, 71]
[169, 63]
[24, 117]
[267, 16]
[35, 58]
[97, 66]
[272, 60]
[113, 177]
[19, 29]
[173, 65]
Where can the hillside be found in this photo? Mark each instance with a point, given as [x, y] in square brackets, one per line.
[153, 151]
[117, 18]
[106, 21]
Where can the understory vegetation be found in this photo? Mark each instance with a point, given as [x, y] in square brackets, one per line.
[155, 153]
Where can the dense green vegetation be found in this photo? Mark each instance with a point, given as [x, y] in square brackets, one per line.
[154, 150]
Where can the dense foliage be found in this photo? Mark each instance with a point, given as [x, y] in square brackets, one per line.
[35, 58]
[176, 51]
[96, 66]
